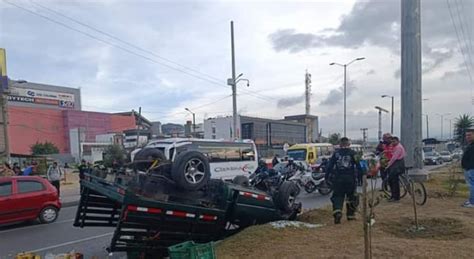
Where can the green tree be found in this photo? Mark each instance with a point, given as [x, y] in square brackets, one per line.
[45, 148]
[114, 153]
[462, 123]
[334, 138]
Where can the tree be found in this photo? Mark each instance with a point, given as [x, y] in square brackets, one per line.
[334, 138]
[461, 124]
[114, 153]
[45, 148]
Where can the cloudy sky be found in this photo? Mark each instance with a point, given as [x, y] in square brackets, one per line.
[168, 55]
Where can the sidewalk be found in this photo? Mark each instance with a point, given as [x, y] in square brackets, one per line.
[70, 189]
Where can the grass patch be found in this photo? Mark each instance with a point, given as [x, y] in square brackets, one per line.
[431, 228]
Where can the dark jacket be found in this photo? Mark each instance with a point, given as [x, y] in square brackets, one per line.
[343, 162]
[467, 161]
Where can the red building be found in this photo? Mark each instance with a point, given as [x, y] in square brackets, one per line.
[30, 125]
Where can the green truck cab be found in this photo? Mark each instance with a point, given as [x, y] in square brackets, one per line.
[151, 221]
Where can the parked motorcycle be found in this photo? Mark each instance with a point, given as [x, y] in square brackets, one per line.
[310, 181]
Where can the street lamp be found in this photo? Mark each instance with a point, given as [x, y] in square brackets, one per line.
[390, 96]
[450, 129]
[442, 117]
[380, 120]
[194, 121]
[345, 85]
[427, 125]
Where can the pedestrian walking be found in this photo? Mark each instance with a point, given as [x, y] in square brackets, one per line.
[276, 160]
[396, 167]
[82, 169]
[467, 163]
[6, 171]
[342, 169]
[17, 169]
[54, 176]
[385, 148]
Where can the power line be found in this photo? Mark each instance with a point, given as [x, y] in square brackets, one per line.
[463, 34]
[112, 44]
[123, 41]
[213, 81]
[459, 40]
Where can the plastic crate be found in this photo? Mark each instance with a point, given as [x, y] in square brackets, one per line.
[191, 250]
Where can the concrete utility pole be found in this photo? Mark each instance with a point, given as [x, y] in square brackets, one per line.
[4, 143]
[380, 120]
[450, 128]
[427, 127]
[307, 82]
[441, 120]
[234, 83]
[194, 121]
[411, 83]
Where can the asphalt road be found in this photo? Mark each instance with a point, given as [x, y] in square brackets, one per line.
[61, 237]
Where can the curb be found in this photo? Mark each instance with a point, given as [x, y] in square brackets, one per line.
[69, 204]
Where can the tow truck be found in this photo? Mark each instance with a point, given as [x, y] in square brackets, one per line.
[149, 211]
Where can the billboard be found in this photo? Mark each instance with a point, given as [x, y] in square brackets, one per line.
[25, 95]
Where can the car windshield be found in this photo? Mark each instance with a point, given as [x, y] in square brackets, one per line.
[430, 154]
[445, 153]
[297, 154]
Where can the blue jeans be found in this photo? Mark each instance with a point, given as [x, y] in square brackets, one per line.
[469, 174]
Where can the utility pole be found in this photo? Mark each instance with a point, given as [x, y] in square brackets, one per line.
[307, 82]
[234, 83]
[391, 125]
[450, 129]
[427, 127]
[380, 120]
[411, 82]
[138, 125]
[364, 137]
[442, 119]
[5, 149]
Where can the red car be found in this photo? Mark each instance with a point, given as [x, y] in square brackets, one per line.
[25, 198]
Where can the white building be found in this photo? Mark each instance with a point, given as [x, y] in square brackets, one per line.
[221, 128]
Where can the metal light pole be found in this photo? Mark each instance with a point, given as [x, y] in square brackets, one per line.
[442, 117]
[427, 127]
[194, 121]
[380, 120]
[450, 129]
[345, 85]
[389, 96]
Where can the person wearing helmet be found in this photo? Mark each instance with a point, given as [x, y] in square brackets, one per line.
[343, 168]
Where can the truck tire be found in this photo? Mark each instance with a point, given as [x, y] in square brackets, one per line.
[147, 154]
[287, 195]
[241, 180]
[191, 171]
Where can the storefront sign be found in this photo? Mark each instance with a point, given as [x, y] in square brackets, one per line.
[65, 100]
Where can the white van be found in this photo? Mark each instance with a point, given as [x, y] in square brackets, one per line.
[227, 159]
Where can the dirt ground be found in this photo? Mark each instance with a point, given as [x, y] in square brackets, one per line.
[448, 230]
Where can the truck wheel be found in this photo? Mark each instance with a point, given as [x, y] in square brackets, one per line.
[48, 215]
[287, 195]
[241, 180]
[191, 170]
[145, 157]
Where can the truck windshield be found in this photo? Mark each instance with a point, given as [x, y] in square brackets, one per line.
[297, 154]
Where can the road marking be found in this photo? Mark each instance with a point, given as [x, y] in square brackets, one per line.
[35, 226]
[70, 243]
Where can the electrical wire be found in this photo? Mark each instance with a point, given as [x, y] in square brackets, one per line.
[459, 41]
[125, 49]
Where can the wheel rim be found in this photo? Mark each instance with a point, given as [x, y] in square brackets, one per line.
[49, 215]
[194, 171]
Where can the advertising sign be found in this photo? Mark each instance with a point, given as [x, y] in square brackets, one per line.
[65, 100]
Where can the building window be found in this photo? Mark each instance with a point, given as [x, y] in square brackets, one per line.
[213, 130]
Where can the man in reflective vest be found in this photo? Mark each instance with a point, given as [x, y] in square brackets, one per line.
[343, 169]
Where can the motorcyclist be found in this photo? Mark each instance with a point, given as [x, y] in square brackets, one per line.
[262, 167]
[342, 168]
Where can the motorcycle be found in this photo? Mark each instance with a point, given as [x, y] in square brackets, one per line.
[311, 181]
